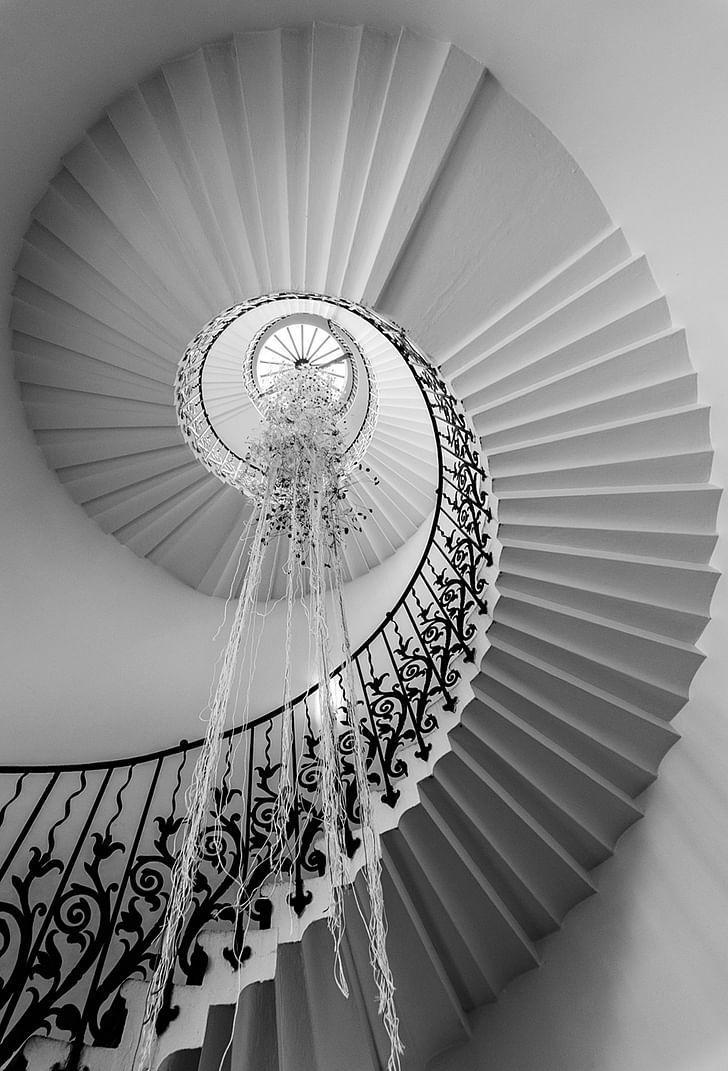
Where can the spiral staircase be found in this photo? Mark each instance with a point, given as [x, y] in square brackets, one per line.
[391, 171]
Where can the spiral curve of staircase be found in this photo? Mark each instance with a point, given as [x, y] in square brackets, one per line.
[394, 171]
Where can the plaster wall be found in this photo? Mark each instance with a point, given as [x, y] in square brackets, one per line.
[637, 92]
[638, 976]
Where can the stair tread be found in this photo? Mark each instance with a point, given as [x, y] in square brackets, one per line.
[568, 759]
[631, 263]
[593, 363]
[602, 622]
[466, 857]
[585, 686]
[611, 555]
[595, 429]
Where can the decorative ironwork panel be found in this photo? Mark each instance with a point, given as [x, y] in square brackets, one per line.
[88, 852]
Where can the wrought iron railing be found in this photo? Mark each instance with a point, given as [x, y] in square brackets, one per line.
[84, 878]
[195, 423]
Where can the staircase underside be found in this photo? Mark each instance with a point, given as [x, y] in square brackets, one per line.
[472, 227]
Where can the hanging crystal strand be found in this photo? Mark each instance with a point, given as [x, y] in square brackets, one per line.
[197, 797]
[284, 798]
[377, 923]
[330, 781]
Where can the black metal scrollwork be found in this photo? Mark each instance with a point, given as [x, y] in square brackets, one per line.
[80, 914]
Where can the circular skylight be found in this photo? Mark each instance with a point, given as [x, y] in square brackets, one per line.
[298, 344]
[232, 371]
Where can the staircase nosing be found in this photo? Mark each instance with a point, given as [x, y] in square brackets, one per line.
[422, 933]
[524, 815]
[600, 622]
[610, 555]
[559, 377]
[545, 279]
[506, 861]
[561, 753]
[565, 718]
[629, 261]
[650, 417]
[585, 686]
[474, 870]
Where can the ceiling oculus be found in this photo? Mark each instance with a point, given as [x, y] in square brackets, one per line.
[230, 371]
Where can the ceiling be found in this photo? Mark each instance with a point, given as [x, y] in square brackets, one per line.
[88, 626]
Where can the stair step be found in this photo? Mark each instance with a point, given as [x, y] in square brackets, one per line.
[668, 583]
[634, 404]
[115, 509]
[423, 935]
[186, 552]
[146, 532]
[590, 739]
[690, 467]
[457, 796]
[621, 290]
[69, 212]
[87, 295]
[44, 363]
[647, 735]
[624, 686]
[672, 623]
[296, 1051]
[255, 1036]
[414, 78]
[568, 826]
[341, 1029]
[436, 805]
[485, 926]
[457, 955]
[216, 1051]
[607, 249]
[671, 432]
[584, 378]
[539, 878]
[652, 545]
[429, 1021]
[608, 810]
[458, 81]
[654, 659]
[693, 507]
[91, 479]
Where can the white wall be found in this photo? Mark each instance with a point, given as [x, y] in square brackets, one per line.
[637, 90]
[638, 977]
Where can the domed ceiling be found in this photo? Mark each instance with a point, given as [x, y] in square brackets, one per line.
[422, 188]
[327, 163]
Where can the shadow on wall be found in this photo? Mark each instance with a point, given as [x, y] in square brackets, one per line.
[636, 981]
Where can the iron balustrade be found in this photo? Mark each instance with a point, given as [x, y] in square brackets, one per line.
[80, 912]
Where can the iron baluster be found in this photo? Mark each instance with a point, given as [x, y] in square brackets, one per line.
[29, 823]
[99, 990]
[450, 702]
[11, 1037]
[390, 795]
[424, 747]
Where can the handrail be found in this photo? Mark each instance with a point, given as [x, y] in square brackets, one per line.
[80, 916]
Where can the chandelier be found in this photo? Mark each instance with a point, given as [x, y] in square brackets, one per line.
[298, 467]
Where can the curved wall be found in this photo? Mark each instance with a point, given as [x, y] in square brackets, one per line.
[637, 95]
[636, 979]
